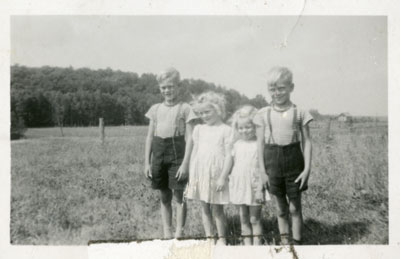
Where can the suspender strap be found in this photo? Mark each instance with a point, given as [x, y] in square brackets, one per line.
[155, 118]
[295, 125]
[176, 123]
[271, 137]
[178, 120]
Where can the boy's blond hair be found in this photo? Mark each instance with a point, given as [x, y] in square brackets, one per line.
[169, 76]
[216, 100]
[276, 74]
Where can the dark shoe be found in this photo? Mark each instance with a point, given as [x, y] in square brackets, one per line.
[297, 242]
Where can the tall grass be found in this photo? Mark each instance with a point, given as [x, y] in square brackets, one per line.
[72, 189]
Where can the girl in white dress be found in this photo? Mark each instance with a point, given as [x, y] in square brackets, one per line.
[245, 185]
[211, 149]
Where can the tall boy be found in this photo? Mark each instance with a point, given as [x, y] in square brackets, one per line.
[284, 144]
[165, 162]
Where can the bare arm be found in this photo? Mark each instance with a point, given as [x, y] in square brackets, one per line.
[147, 150]
[307, 153]
[183, 169]
[228, 163]
[189, 143]
[307, 148]
[260, 147]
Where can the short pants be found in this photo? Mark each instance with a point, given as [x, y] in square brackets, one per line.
[283, 165]
[167, 157]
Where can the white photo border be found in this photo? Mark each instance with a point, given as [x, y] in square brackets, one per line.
[389, 8]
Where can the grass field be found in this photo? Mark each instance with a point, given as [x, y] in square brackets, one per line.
[72, 189]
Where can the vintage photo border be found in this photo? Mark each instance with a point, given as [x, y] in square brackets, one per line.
[388, 8]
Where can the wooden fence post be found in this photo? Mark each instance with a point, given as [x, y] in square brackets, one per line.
[60, 125]
[101, 127]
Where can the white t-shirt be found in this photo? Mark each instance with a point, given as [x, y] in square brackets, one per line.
[170, 120]
[282, 124]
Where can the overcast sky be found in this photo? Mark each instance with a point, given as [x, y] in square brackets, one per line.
[339, 63]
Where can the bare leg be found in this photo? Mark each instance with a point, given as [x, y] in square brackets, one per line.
[180, 212]
[255, 220]
[206, 217]
[297, 217]
[282, 208]
[220, 220]
[245, 225]
[166, 211]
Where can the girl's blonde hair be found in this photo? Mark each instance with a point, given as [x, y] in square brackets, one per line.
[216, 100]
[279, 73]
[244, 112]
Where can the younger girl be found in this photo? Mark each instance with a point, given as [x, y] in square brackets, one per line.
[211, 150]
[245, 184]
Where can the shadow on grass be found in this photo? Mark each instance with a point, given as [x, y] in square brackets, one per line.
[315, 232]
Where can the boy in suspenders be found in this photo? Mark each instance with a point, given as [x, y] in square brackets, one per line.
[165, 162]
[285, 164]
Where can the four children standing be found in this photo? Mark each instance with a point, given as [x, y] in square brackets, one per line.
[215, 164]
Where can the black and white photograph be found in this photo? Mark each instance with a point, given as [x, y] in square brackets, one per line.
[241, 130]
[199, 130]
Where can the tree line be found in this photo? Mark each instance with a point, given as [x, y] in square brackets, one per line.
[53, 96]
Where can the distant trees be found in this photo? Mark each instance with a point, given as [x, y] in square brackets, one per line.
[17, 126]
[53, 96]
[258, 101]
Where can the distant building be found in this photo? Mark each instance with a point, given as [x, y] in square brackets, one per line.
[344, 117]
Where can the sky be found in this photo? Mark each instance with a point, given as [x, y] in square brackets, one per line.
[339, 63]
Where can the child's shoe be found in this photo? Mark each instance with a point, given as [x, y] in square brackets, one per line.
[297, 242]
[285, 241]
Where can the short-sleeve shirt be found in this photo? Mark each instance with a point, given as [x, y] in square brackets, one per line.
[282, 124]
[170, 120]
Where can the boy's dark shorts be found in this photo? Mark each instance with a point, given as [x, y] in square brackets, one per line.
[283, 165]
[167, 157]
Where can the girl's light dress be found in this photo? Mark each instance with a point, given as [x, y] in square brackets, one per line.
[206, 163]
[245, 180]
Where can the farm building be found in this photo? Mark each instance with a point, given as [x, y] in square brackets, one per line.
[344, 117]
